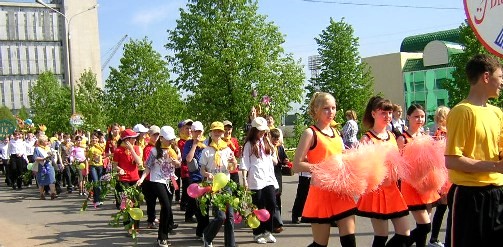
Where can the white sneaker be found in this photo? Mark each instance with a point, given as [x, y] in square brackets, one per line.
[163, 243]
[436, 244]
[269, 237]
[260, 239]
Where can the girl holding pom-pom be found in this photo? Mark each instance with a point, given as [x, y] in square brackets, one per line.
[386, 202]
[319, 142]
[418, 202]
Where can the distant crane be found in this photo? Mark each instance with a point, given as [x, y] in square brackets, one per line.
[112, 52]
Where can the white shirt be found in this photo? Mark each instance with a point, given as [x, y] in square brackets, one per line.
[397, 124]
[30, 146]
[17, 147]
[207, 160]
[3, 151]
[260, 170]
[161, 170]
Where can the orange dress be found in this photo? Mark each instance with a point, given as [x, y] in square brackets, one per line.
[324, 206]
[414, 199]
[386, 202]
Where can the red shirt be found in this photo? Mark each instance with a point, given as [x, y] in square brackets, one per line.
[237, 151]
[184, 169]
[146, 153]
[125, 161]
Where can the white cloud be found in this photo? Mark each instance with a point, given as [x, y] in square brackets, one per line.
[155, 14]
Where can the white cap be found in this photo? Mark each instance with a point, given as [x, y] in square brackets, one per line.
[260, 123]
[139, 128]
[197, 126]
[168, 133]
[154, 129]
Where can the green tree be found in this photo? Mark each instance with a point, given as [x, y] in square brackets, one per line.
[342, 72]
[50, 103]
[139, 90]
[224, 51]
[458, 87]
[23, 113]
[5, 113]
[90, 102]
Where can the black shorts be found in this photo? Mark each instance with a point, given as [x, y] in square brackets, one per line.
[476, 216]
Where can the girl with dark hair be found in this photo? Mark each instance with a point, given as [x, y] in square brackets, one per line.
[258, 175]
[112, 138]
[161, 165]
[386, 202]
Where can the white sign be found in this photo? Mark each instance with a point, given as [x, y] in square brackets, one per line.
[76, 120]
[485, 18]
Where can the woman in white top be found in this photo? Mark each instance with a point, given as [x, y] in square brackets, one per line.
[18, 160]
[161, 164]
[217, 157]
[258, 175]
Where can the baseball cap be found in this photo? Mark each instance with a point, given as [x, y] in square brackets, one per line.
[260, 123]
[167, 132]
[139, 128]
[217, 126]
[197, 126]
[227, 123]
[128, 133]
[154, 129]
[185, 122]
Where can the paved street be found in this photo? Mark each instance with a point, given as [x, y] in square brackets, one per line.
[27, 221]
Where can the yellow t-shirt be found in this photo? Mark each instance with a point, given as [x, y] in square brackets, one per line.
[92, 152]
[474, 132]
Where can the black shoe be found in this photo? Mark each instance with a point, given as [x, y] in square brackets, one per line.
[190, 220]
[173, 227]
[295, 220]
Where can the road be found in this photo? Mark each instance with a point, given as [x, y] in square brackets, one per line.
[28, 221]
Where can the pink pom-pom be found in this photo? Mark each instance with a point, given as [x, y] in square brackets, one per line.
[352, 172]
[393, 161]
[425, 167]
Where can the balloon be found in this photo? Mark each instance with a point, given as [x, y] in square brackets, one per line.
[262, 214]
[252, 221]
[82, 166]
[136, 213]
[28, 121]
[29, 166]
[196, 191]
[220, 180]
[193, 190]
[237, 218]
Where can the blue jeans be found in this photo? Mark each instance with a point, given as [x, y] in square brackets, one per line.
[96, 172]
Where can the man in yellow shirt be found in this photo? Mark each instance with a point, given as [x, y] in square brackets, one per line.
[472, 157]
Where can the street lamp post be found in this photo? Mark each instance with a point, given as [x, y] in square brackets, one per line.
[68, 21]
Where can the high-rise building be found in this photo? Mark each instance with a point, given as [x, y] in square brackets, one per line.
[33, 40]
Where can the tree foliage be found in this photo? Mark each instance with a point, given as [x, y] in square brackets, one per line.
[458, 87]
[23, 113]
[6, 114]
[139, 90]
[224, 51]
[50, 103]
[342, 72]
[90, 101]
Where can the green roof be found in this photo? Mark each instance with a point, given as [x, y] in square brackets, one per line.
[417, 43]
[418, 65]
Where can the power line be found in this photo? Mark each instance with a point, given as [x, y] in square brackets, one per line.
[382, 5]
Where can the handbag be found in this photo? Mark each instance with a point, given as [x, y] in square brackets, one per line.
[193, 165]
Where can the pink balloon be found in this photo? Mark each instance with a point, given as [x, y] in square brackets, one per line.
[237, 218]
[262, 214]
[193, 190]
[204, 190]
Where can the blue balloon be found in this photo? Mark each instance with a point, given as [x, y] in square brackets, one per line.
[28, 121]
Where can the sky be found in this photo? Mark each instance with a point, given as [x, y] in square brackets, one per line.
[380, 25]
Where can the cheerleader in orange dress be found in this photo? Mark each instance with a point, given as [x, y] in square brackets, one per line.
[419, 203]
[322, 207]
[386, 202]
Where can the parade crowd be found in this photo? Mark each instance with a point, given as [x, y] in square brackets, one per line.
[164, 163]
